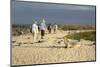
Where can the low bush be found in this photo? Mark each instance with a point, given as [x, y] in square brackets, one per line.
[83, 35]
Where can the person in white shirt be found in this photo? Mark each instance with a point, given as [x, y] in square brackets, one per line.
[35, 31]
[42, 28]
[55, 28]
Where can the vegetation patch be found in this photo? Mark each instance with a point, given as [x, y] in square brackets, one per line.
[76, 27]
[83, 35]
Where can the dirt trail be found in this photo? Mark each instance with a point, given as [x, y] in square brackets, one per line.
[50, 40]
[50, 50]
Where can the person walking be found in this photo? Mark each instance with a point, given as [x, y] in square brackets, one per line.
[49, 28]
[55, 28]
[35, 31]
[42, 28]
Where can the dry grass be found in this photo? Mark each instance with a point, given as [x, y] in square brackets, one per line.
[31, 55]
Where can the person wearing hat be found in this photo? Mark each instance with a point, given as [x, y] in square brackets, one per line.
[42, 28]
[35, 31]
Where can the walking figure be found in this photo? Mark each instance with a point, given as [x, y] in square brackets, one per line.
[35, 31]
[55, 27]
[42, 28]
[49, 28]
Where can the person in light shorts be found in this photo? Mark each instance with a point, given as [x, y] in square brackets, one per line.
[35, 31]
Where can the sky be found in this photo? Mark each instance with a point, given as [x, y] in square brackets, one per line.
[25, 12]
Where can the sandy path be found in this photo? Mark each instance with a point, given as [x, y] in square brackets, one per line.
[48, 51]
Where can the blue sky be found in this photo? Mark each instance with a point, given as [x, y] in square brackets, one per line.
[24, 12]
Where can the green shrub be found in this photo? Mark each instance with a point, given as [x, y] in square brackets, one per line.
[83, 35]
